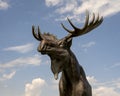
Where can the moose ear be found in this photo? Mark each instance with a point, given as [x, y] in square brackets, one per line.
[69, 42]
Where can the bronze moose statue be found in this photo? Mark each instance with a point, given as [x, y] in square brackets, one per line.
[73, 81]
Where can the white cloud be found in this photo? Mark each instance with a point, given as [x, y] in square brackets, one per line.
[66, 8]
[34, 88]
[74, 8]
[115, 65]
[3, 4]
[105, 88]
[23, 61]
[105, 91]
[34, 60]
[55, 84]
[21, 49]
[91, 79]
[7, 76]
[88, 45]
[110, 7]
[109, 88]
[53, 2]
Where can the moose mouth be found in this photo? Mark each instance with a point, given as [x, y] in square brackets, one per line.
[44, 52]
[42, 49]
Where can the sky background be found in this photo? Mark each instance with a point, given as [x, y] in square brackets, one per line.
[25, 72]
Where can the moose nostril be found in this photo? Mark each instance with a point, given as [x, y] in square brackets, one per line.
[40, 48]
[45, 47]
[42, 45]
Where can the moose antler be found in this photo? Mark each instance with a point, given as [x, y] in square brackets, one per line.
[87, 26]
[39, 36]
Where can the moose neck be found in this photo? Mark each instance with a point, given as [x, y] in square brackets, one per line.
[72, 73]
[68, 65]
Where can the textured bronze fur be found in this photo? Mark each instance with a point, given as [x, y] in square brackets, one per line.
[73, 81]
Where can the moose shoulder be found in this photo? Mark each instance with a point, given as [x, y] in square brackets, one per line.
[73, 80]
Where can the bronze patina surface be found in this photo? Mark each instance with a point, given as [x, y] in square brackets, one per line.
[73, 81]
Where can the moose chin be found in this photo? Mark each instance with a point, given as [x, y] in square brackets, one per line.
[73, 81]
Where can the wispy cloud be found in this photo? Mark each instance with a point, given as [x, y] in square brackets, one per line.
[112, 66]
[4, 5]
[91, 79]
[34, 88]
[68, 7]
[55, 84]
[15, 64]
[115, 65]
[88, 45]
[105, 88]
[21, 48]
[110, 7]
[74, 8]
[108, 88]
[53, 2]
[7, 76]
[105, 91]
[22, 61]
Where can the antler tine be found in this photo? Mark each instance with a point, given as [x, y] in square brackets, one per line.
[93, 19]
[95, 23]
[34, 33]
[90, 26]
[99, 20]
[87, 26]
[71, 24]
[66, 28]
[87, 20]
[38, 37]
[70, 31]
[39, 34]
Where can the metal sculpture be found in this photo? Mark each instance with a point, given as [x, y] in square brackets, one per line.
[73, 81]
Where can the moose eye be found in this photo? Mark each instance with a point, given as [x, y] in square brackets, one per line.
[61, 45]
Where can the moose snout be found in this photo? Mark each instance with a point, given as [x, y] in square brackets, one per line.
[42, 47]
[39, 49]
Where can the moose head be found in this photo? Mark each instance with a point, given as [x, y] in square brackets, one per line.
[59, 49]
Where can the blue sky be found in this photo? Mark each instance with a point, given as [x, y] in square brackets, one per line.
[25, 72]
